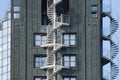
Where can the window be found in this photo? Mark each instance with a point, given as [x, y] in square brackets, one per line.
[44, 16]
[69, 60]
[16, 8]
[40, 78]
[39, 61]
[40, 39]
[94, 10]
[94, 15]
[16, 15]
[69, 39]
[69, 78]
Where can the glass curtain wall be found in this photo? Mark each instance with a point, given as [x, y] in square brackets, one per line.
[5, 51]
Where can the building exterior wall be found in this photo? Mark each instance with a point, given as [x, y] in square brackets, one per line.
[88, 40]
[5, 48]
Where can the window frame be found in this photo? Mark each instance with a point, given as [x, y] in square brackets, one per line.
[94, 12]
[39, 56]
[69, 39]
[69, 77]
[41, 77]
[69, 61]
[41, 39]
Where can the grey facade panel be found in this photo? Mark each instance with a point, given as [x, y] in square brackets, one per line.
[87, 48]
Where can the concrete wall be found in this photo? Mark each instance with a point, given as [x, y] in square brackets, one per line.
[88, 40]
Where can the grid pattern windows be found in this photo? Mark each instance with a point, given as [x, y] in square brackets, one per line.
[69, 61]
[69, 39]
[39, 39]
[5, 51]
[39, 61]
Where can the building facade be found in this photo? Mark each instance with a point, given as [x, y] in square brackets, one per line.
[5, 47]
[59, 40]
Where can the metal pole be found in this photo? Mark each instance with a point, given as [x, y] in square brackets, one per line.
[54, 39]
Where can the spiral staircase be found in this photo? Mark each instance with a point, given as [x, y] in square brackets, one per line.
[53, 43]
[114, 49]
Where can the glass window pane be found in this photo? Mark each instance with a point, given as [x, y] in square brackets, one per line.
[43, 38]
[37, 37]
[72, 58]
[43, 42]
[73, 78]
[5, 47]
[37, 61]
[16, 8]
[66, 37]
[5, 76]
[94, 15]
[66, 42]
[66, 64]
[37, 79]
[4, 54]
[72, 42]
[66, 79]
[9, 15]
[16, 15]
[4, 69]
[72, 64]
[37, 43]
[4, 32]
[94, 8]
[43, 61]
[4, 24]
[66, 58]
[5, 61]
[72, 36]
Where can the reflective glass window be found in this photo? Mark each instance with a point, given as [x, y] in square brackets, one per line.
[5, 32]
[40, 39]
[16, 15]
[40, 61]
[4, 61]
[69, 61]
[69, 39]
[4, 24]
[69, 78]
[16, 8]
[94, 8]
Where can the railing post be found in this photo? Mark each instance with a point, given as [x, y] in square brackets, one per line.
[61, 17]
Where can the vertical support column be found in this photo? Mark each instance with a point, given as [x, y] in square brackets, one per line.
[54, 15]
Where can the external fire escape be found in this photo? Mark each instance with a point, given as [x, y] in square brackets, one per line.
[54, 40]
[113, 73]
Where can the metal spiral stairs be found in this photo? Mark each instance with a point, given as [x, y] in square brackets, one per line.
[114, 48]
[53, 44]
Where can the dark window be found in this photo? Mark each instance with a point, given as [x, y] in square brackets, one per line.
[69, 78]
[40, 78]
[39, 39]
[39, 61]
[44, 17]
[62, 8]
[69, 39]
[69, 60]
